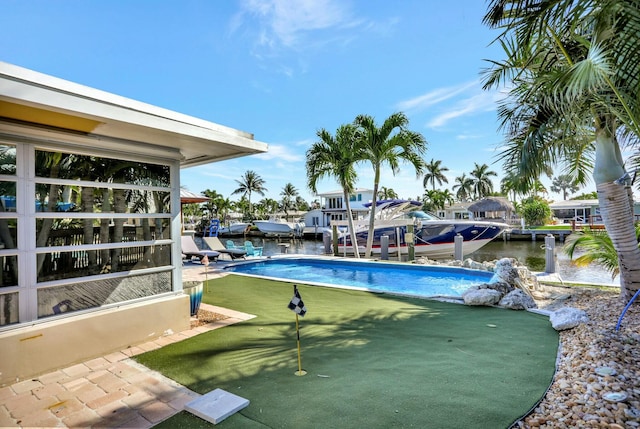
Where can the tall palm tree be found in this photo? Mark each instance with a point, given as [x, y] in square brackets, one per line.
[482, 184]
[564, 183]
[390, 144]
[574, 74]
[336, 156]
[289, 194]
[435, 173]
[463, 187]
[250, 182]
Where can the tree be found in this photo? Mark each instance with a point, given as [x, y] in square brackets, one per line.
[535, 211]
[435, 173]
[336, 157]
[482, 184]
[463, 188]
[250, 182]
[435, 200]
[386, 193]
[289, 194]
[565, 184]
[389, 144]
[596, 247]
[574, 79]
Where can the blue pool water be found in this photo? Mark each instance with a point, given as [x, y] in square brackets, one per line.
[407, 279]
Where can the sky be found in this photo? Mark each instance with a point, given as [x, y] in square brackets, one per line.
[281, 70]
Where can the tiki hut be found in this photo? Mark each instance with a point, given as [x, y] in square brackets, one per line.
[492, 208]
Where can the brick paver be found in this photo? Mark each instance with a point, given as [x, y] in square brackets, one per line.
[108, 392]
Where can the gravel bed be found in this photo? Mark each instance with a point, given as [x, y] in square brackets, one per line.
[597, 382]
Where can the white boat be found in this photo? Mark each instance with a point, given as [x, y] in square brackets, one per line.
[235, 228]
[432, 237]
[280, 227]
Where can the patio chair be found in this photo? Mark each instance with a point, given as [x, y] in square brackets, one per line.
[232, 245]
[214, 243]
[190, 249]
[252, 250]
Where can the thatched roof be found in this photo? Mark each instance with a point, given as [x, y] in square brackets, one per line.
[492, 204]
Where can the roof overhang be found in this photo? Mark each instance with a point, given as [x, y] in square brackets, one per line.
[43, 102]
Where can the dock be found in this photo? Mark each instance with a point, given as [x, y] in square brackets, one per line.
[536, 234]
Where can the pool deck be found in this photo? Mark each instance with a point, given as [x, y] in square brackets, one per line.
[111, 391]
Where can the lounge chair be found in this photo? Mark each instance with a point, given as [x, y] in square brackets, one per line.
[252, 250]
[214, 243]
[190, 249]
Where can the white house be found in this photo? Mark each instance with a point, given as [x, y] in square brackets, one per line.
[334, 208]
[101, 272]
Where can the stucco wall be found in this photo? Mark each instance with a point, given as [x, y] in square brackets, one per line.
[29, 351]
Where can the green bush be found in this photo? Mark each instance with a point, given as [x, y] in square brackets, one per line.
[535, 212]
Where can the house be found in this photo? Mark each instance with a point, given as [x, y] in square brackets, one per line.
[583, 211]
[334, 208]
[102, 272]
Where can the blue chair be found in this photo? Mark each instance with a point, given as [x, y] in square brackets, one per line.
[231, 245]
[251, 249]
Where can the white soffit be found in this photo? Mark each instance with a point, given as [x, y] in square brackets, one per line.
[29, 96]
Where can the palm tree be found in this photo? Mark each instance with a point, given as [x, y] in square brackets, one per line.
[250, 182]
[336, 157]
[386, 193]
[388, 144]
[597, 247]
[564, 183]
[435, 173]
[574, 79]
[463, 187]
[289, 194]
[482, 184]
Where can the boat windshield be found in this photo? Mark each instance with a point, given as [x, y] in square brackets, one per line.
[419, 214]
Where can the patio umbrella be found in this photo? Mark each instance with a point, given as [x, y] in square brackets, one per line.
[188, 197]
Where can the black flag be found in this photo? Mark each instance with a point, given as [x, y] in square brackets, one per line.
[296, 303]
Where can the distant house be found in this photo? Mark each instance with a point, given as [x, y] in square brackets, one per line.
[583, 211]
[334, 208]
[90, 219]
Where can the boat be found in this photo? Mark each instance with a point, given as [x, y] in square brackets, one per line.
[432, 237]
[279, 227]
[235, 228]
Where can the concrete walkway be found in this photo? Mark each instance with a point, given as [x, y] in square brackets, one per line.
[112, 391]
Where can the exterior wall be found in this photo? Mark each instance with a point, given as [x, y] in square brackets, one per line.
[31, 350]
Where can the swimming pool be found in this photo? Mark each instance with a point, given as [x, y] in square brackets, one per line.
[406, 279]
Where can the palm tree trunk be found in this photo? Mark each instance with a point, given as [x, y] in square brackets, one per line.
[616, 208]
[372, 216]
[352, 230]
[617, 214]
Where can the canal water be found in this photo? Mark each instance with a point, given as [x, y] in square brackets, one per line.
[529, 253]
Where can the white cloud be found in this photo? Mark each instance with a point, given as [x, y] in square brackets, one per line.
[282, 22]
[436, 96]
[280, 152]
[480, 102]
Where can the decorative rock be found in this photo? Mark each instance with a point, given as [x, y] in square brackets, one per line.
[504, 271]
[517, 300]
[567, 318]
[481, 297]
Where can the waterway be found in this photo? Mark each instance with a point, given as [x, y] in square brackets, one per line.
[529, 253]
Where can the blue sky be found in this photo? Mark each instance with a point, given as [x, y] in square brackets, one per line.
[280, 69]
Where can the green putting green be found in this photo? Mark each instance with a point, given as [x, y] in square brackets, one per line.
[372, 360]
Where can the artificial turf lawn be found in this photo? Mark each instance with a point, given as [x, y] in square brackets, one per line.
[373, 360]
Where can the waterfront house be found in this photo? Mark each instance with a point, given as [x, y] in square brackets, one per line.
[90, 219]
[333, 208]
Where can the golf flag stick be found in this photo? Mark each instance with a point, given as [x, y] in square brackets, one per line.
[300, 371]
[297, 306]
